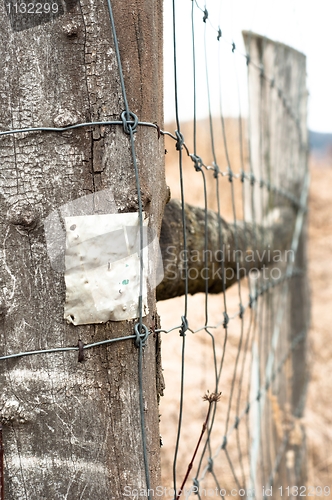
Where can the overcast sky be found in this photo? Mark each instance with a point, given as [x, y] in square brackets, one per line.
[303, 24]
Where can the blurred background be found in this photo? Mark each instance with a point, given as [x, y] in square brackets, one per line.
[302, 24]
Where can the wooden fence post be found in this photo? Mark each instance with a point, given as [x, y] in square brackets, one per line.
[73, 429]
[278, 157]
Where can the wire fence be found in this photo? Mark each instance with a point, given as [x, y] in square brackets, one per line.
[253, 339]
[249, 343]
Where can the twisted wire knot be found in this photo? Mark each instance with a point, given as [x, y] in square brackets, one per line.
[206, 15]
[226, 320]
[130, 122]
[196, 486]
[198, 162]
[184, 326]
[180, 140]
[216, 170]
[142, 335]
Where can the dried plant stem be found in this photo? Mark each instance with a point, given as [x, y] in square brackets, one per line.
[211, 398]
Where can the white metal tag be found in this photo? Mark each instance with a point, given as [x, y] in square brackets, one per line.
[102, 268]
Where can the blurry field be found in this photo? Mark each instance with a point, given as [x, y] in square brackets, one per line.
[199, 374]
[318, 417]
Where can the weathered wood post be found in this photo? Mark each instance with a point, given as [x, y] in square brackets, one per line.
[278, 157]
[70, 429]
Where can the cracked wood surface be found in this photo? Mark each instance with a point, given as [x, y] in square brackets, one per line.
[72, 430]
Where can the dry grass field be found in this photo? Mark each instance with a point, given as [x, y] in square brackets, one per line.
[198, 368]
[318, 415]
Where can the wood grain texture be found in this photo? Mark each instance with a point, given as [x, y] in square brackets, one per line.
[279, 149]
[72, 430]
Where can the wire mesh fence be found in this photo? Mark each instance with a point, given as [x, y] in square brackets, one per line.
[242, 185]
[248, 342]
